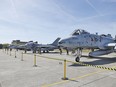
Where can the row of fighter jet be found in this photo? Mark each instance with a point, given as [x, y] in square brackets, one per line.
[34, 46]
[79, 40]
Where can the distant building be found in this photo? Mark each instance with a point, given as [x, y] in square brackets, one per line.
[18, 42]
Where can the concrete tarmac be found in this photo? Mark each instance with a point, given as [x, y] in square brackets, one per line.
[48, 73]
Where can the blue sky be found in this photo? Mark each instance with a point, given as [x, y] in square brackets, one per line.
[45, 20]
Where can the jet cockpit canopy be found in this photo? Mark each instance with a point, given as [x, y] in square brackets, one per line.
[79, 31]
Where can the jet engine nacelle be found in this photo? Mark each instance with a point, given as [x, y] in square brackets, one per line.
[100, 52]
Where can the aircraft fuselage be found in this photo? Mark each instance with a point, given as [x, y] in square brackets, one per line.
[86, 41]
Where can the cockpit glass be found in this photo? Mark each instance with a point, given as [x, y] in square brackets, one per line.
[79, 31]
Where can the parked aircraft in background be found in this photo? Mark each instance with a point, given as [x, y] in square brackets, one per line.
[16, 47]
[34, 46]
[81, 39]
[12, 47]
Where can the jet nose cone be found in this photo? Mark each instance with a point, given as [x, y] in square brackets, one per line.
[61, 43]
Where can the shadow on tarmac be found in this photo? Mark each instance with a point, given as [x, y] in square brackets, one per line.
[100, 61]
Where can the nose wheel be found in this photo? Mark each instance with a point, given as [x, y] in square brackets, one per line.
[79, 53]
[77, 59]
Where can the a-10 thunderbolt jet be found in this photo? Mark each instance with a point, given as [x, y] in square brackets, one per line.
[81, 39]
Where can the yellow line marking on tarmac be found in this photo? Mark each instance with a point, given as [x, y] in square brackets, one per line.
[59, 59]
[80, 63]
[61, 82]
[79, 77]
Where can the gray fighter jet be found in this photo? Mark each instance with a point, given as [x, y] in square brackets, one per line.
[81, 39]
[34, 46]
[15, 47]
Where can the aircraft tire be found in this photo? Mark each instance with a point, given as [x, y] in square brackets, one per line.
[77, 59]
[44, 51]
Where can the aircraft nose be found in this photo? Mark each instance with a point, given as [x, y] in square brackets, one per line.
[61, 43]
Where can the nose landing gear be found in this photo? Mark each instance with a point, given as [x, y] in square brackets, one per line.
[79, 54]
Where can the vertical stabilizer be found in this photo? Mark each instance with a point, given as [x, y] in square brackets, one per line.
[55, 43]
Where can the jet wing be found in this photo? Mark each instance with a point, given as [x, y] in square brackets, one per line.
[45, 46]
